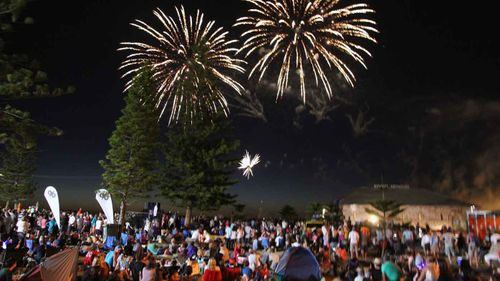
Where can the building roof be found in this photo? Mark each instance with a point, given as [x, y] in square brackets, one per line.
[405, 196]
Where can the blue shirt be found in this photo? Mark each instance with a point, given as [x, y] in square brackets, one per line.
[124, 239]
[246, 271]
[52, 224]
[255, 244]
[29, 244]
[109, 258]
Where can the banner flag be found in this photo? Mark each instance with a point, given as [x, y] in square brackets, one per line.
[104, 199]
[53, 199]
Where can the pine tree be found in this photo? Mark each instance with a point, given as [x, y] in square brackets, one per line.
[198, 165]
[20, 78]
[131, 163]
[17, 161]
[288, 213]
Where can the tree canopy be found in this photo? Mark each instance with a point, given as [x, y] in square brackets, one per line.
[198, 164]
[20, 78]
[131, 165]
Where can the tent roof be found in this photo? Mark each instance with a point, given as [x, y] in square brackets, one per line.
[61, 267]
[298, 264]
[405, 196]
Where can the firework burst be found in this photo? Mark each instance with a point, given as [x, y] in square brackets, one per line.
[190, 61]
[307, 35]
[247, 163]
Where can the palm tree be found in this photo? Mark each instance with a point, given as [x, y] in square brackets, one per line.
[288, 213]
[385, 209]
[315, 209]
[334, 213]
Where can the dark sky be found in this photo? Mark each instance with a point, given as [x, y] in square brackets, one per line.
[425, 48]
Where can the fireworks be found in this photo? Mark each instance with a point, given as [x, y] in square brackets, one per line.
[189, 59]
[247, 163]
[307, 35]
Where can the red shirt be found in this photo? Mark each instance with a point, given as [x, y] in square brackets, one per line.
[231, 274]
[212, 275]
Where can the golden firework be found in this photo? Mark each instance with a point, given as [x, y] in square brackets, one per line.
[190, 61]
[307, 35]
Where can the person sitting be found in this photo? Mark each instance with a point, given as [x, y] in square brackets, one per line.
[40, 251]
[212, 272]
[390, 271]
[246, 271]
[149, 272]
[7, 269]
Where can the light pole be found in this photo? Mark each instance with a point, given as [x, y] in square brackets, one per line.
[260, 208]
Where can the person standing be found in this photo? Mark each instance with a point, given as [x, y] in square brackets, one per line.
[228, 231]
[22, 227]
[426, 243]
[326, 235]
[365, 238]
[353, 242]
[472, 249]
[449, 243]
[98, 226]
[434, 243]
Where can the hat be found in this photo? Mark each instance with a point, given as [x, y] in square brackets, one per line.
[118, 248]
[377, 261]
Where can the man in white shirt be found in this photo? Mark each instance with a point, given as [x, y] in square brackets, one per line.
[353, 243]
[71, 222]
[426, 243]
[248, 232]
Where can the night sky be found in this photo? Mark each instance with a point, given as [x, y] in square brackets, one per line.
[431, 55]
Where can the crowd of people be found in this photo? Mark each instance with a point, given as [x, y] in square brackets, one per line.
[218, 248]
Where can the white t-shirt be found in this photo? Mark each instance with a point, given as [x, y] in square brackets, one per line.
[359, 278]
[248, 231]
[448, 239]
[71, 220]
[284, 224]
[98, 224]
[353, 237]
[426, 239]
[252, 262]
[22, 226]
[195, 235]
[494, 238]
